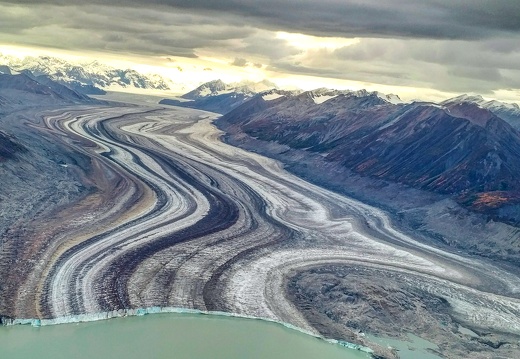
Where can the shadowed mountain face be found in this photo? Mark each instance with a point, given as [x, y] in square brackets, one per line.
[25, 89]
[462, 150]
[38, 171]
[9, 147]
[25, 83]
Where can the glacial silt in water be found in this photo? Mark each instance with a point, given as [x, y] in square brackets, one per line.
[414, 348]
[176, 336]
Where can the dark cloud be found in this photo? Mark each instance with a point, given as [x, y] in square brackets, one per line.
[265, 45]
[106, 28]
[446, 19]
[450, 66]
[446, 53]
[363, 72]
[239, 61]
[483, 74]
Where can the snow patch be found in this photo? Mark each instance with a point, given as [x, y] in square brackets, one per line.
[205, 92]
[321, 99]
[271, 96]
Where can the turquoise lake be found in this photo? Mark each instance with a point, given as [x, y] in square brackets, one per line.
[176, 336]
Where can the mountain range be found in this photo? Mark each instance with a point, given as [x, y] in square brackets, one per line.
[217, 96]
[86, 77]
[459, 148]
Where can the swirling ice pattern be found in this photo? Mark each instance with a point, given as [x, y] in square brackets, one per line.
[189, 221]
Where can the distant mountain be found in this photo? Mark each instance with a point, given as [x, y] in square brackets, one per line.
[5, 70]
[218, 87]
[211, 88]
[509, 112]
[217, 96]
[88, 78]
[324, 94]
[461, 149]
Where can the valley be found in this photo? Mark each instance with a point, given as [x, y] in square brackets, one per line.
[166, 214]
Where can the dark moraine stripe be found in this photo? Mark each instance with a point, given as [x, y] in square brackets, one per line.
[76, 302]
[223, 213]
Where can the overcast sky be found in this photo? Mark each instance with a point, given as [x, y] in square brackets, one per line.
[414, 48]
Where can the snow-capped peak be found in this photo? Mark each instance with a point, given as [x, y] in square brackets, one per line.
[92, 73]
[495, 103]
[479, 100]
[392, 98]
[218, 87]
[252, 87]
[323, 94]
[510, 112]
[466, 98]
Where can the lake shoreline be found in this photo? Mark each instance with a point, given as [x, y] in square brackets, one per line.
[122, 313]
